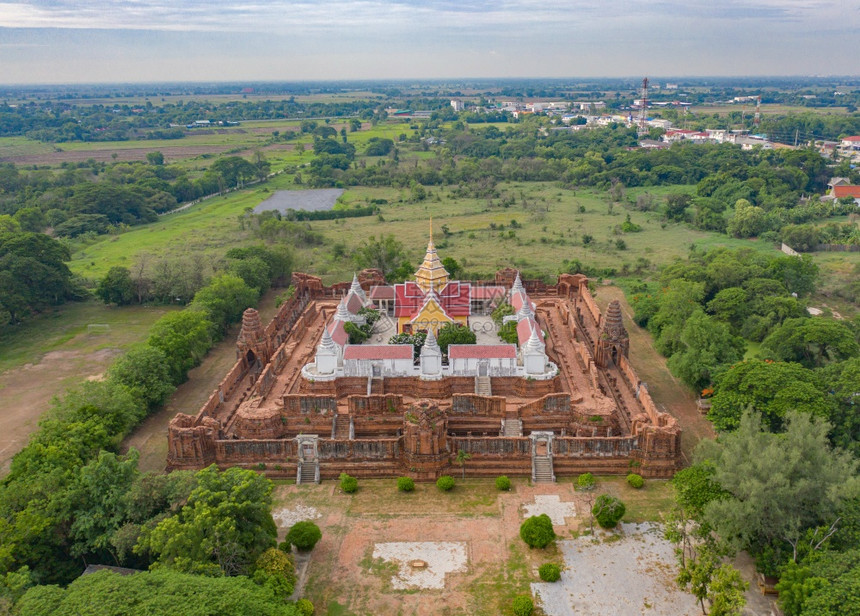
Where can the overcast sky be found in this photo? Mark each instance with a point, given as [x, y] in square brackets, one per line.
[64, 41]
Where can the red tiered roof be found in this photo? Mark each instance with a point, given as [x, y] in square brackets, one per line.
[453, 298]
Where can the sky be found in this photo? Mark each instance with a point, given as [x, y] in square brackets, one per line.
[97, 41]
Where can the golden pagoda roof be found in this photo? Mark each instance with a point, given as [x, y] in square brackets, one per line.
[432, 274]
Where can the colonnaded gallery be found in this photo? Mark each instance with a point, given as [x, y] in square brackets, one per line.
[303, 401]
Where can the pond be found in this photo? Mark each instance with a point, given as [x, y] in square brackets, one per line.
[309, 200]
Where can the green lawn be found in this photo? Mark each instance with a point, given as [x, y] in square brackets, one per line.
[84, 327]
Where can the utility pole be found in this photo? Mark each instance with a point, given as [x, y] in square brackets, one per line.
[757, 116]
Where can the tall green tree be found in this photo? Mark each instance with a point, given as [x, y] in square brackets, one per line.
[224, 528]
[781, 486]
[811, 342]
[706, 346]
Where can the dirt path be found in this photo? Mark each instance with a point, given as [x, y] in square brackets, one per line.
[150, 438]
[668, 392]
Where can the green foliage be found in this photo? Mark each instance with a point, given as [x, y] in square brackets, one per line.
[586, 482]
[385, 254]
[355, 333]
[523, 605]
[224, 527]
[116, 287]
[549, 572]
[635, 481]
[445, 483]
[508, 332]
[305, 607]
[106, 593]
[779, 485]
[501, 311]
[769, 388]
[537, 531]
[224, 299]
[405, 484]
[184, 337]
[348, 484]
[811, 342]
[274, 568]
[503, 484]
[841, 389]
[144, 371]
[608, 511]
[304, 535]
[455, 333]
[33, 274]
[704, 347]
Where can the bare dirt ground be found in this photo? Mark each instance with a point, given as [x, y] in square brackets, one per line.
[668, 392]
[23, 403]
[634, 566]
[171, 154]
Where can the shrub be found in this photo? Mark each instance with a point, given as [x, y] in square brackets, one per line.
[503, 483]
[405, 484]
[608, 510]
[274, 568]
[537, 531]
[523, 605]
[305, 607]
[304, 535]
[348, 483]
[586, 482]
[549, 572]
[445, 483]
[635, 480]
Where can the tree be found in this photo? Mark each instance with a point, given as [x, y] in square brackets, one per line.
[155, 592]
[155, 158]
[98, 504]
[454, 333]
[224, 299]
[769, 388]
[116, 287]
[676, 206]
[680, 299]
[385, 254]
[706, 346]
[781, 485]
[537, 531]
[811, 342]
[608, 511]
[144, 371]
[748, 220]
[304, 535]
[183, 337]
[223, 528]
[461, 459]
[275, 568]
[843, 390]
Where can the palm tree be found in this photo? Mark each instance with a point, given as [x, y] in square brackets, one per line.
[461, 459]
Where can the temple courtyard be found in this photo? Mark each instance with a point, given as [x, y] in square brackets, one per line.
[469, 556]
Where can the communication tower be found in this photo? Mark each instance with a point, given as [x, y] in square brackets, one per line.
[643, 109]
[757, 116]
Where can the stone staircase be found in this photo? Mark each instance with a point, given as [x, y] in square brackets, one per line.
[542, 469]
[483, 386]
[377, 386]
[341, 427]
[513, 427]
[307, 472]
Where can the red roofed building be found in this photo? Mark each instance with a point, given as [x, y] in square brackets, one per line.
[378, 360]
[433, 300]
[851, 143]
[482, 359]
[846, 191]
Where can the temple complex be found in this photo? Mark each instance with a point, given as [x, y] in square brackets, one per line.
[303, 402]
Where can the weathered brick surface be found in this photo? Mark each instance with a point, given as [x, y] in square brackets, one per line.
[601, 417]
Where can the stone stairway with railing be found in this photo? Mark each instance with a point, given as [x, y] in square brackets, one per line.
[308, 472]
[542, 471]
[513, 427]
[483, 386]
[341, 427]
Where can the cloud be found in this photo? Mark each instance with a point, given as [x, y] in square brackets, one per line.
[309, 16]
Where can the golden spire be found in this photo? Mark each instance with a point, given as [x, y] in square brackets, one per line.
[432, 274]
